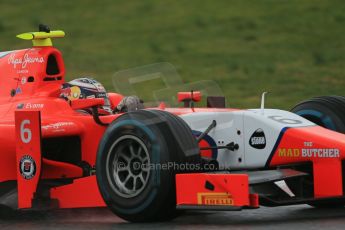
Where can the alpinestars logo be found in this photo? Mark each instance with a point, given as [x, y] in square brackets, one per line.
[27, 167]
[258, 139]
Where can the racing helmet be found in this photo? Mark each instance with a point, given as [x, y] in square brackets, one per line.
[82, 88]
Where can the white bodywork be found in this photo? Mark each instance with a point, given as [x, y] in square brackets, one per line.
[238, 127]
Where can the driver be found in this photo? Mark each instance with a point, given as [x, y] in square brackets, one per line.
[89, 88]
[82, 88]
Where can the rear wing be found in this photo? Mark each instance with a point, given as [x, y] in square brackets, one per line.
[43, 37]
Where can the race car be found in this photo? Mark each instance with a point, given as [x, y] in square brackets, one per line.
[74, 145]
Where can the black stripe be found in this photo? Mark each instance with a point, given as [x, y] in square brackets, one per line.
[275, 146]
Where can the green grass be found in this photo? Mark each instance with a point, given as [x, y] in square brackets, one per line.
[295, 49]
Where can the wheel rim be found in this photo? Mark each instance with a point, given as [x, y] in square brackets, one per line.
[128, 166]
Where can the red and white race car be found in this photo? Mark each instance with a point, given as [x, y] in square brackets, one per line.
[73, 145]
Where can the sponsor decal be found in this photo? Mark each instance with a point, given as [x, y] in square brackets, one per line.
[71, 93]
[215, 198]
[58, 125]
[207, 141]
[101, 95]
[20, 106]
[27, 167]
[34, 106]
[18, 90]
[23, 61]
[22, 71]
[309, 153]
[258, 139]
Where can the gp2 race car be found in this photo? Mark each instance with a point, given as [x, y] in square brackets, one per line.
[73, 145]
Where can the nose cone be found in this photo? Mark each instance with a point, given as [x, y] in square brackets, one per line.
[324, 149]
[309, 144]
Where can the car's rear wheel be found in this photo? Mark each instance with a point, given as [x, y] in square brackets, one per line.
[328, 112]
[137, 162]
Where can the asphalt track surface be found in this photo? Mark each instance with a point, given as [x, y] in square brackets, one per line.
[291, 217]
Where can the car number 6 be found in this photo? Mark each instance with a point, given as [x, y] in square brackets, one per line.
[25, 138]
[283, 120]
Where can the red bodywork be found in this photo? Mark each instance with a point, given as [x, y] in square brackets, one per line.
[327, 168]
[31, 93]
[202, 189]
[36, 91]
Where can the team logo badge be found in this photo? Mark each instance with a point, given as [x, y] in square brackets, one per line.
[27, 167]
[258, 139]
[207, 142]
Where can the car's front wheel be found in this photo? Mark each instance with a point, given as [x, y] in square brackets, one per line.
[137, 162]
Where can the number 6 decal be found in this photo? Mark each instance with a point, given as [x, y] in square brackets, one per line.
[28, 155]
[25, 133]
[283, 120]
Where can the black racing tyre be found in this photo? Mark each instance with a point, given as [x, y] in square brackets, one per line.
[134, 141]
[6, 212]
[328, 112]
[8, 199]
[327, 204]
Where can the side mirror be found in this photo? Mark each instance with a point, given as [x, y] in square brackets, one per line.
[86, 103]
[189, 97]
[115, 99]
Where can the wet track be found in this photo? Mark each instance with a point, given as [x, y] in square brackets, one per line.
[298, 217]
